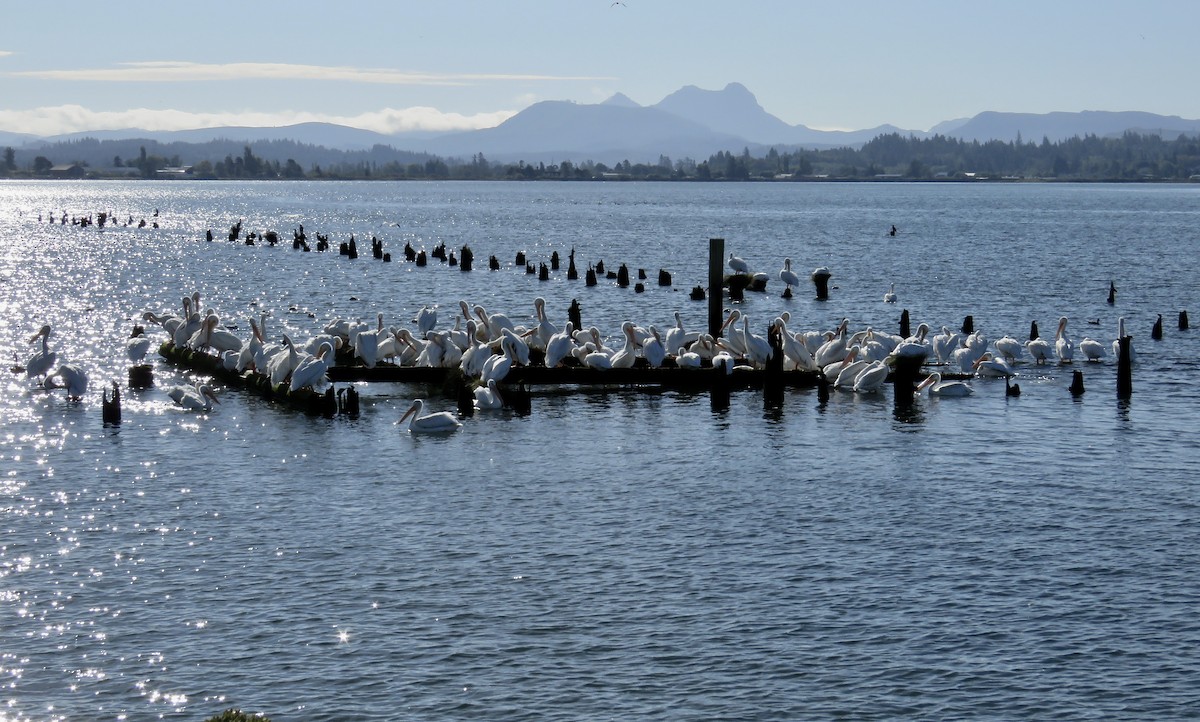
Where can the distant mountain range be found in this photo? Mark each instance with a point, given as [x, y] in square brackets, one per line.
[690, 122]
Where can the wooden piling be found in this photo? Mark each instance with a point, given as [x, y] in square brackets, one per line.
[1124, 368]
[719, 386]
[773, 376]
[906, 374]
[716, 265]
[1077, 383]
[968, 326]
[1156, 332]
[905, 324]
[1183, 321]
[574, 315]
[820, 278]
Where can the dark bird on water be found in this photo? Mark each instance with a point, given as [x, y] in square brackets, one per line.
[1011, 389]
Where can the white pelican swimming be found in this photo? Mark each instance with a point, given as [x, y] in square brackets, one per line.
[1092, 349]
[488, 397]
[787, 275]
[73, 379]
[1064, 347]
[738, 265]
[439, 421]
[194, 398]
[890, 296]
[933, 382]
[42, 359]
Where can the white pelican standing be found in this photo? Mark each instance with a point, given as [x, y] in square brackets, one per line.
[559, 345]
[194, 398]
[425, 319]
[1064, 347]
[137, 346]
[758, 349]
[787, 275]
[439, 421]
[42, 360]
[311, 371]
[988, 366]
[627, 354]
[74, 380]
[1120, 335]
[1009, 348]
[933, 382]
[1092, 349]
[487, 398]
[738, 265]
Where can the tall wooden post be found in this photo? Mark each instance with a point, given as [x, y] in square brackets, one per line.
[1124, 369]
[716, 263]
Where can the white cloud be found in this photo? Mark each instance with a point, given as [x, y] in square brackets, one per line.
[75, 118]
[175, 72]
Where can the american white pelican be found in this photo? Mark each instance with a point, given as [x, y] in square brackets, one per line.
[519, 348]
[945, 344]
[849, 370]
[653, 350]
[491, 326]
[439, 421]
[311, 371]
[914, 346]
[758, 349]
[871, 378]
[488, 397]
[137, 346]
[194, 398]
[738, 265]
[796, 354]
[933, 382]
[211, 335]
[831, 370]
[1116, 346]
[73, 378]
[1040, 349]
[366, 341]
[425, 319]
[1064, 347]
[890, 296]
[988, 366]
[42, 359]
[497, 366]
[559, 346]
[787, 275]
[733, 341]
[281, 365]
[540, 337]
[687, 359]
[1092, 349]
[627, 354]
[431, 352]
[834, 349]
[1010, 348]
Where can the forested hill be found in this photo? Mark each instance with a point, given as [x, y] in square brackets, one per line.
[1133, 156]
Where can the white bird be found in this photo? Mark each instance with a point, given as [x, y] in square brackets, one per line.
[425, 319]
[74, 380]
[1009, 348]
[890, 296]
[439, 421]
[933, 382]
[687, 359]
[871, 378]
[281, 365]
[540, 337]
[488, 397]
[1092, 349]
[627, 354]
[137, 346]
[41, 360]
[787, 275]
[653, 350]
[988, 366]
[559, 346]
[1064, 347]
[738, 265]
[311, 371]
[758, 349]
[1116, 346]
[1039, 348]
[194, 398]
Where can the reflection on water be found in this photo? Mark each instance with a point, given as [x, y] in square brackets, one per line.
[822, 554]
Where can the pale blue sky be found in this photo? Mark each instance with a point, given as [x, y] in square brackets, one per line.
[390, 65]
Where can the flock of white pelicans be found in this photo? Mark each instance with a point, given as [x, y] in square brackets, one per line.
[485, 346]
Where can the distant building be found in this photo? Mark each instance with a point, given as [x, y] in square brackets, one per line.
[68, 170]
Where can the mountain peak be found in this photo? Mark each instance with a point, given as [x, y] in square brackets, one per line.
[621, 100]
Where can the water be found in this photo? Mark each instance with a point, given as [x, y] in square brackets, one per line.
[616, 554]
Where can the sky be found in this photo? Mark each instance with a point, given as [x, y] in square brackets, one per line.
[396, 65]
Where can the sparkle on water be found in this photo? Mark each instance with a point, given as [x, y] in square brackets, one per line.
[616, 553]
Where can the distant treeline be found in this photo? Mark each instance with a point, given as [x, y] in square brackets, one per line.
[1131, 157]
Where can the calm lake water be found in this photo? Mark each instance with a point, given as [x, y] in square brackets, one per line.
[616, 554]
